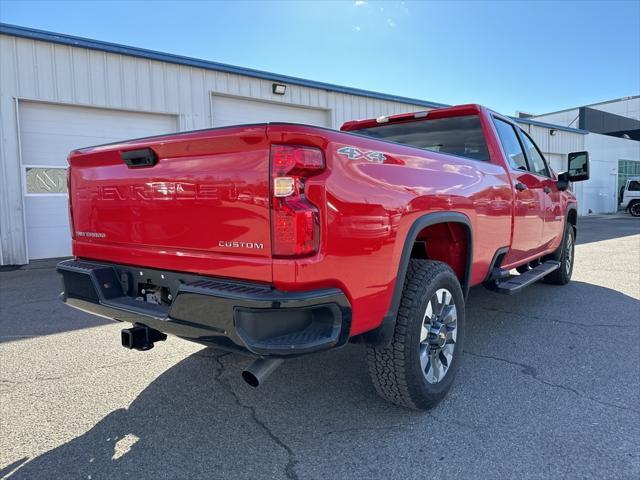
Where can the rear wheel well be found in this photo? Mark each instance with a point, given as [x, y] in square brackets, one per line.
[447, 242]
[443, 236]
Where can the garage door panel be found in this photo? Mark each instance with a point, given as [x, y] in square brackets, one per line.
[236, 111]
[48, 233]
[48, 132]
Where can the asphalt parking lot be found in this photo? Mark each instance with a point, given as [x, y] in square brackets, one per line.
[549, 388]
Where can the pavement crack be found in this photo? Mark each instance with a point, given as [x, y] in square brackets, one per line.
[289, 468]
[533, 373]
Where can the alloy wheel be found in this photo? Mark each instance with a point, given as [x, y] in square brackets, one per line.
[438, 336]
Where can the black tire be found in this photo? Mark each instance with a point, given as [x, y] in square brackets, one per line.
[634, 208]
[565, 255]
[396, 369]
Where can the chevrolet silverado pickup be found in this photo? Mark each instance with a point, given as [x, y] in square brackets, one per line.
[279, 240]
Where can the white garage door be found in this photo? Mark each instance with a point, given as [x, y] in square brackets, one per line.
[48, 133]
[236, 111]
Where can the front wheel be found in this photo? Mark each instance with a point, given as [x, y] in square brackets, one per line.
[564, 255]
[417, 369]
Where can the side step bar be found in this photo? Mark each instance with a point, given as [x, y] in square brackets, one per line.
[516, 283]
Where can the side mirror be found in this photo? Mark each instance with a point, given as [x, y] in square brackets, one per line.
[578, 167]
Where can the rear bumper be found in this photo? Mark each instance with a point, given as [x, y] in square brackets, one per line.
[251, 318]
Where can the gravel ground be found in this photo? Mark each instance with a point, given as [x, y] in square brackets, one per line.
[549, 387]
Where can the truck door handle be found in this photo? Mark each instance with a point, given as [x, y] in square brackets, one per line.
[547, 189]
[520, 186]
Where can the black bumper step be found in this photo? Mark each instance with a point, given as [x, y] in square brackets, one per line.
[516, 283]
[236, 315]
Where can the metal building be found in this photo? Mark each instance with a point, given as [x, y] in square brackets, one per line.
[59, 92]
[613, 143]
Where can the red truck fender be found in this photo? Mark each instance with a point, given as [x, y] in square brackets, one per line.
[382, 335]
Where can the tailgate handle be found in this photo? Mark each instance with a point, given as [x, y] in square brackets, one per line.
[144, 157]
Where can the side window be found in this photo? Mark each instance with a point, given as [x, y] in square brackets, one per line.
[538, 165]
[511, 145]
[634, 186]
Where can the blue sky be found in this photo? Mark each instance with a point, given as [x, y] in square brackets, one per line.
[530, 56]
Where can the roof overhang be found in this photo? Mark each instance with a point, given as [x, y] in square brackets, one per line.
[119, 49]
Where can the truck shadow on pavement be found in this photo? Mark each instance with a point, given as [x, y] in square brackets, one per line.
[199, 420]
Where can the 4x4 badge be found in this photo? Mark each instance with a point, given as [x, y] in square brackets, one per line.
[353, 153]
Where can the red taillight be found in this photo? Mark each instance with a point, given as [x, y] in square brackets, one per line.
[295, 221]
[295, 161]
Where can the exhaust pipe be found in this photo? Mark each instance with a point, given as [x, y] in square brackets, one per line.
[140, 337]
[256, 373]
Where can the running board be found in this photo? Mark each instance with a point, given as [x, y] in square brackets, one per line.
[516, 283]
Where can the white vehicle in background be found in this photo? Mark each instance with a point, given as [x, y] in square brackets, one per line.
[631, 196]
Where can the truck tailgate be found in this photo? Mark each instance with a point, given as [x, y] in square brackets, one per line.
[201, 205]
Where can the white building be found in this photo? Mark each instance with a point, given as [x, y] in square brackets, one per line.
[59, 92]
[613, 143]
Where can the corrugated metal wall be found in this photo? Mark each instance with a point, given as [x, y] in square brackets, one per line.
[37, 70]
[557, 145]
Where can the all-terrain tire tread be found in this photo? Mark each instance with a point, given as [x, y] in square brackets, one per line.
[387, 365]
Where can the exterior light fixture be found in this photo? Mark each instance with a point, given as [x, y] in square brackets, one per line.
[279, 89]
[552, 132]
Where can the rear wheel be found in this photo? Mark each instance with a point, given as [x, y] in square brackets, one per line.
[564, 255]
[634, 209]
[417, 369]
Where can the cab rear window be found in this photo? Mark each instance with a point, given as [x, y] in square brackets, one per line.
[460, 136]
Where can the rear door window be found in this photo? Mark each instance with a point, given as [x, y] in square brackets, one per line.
[511, 145]
[536, 160]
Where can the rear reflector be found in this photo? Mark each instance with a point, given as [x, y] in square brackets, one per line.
[295, 221]
[296, 229]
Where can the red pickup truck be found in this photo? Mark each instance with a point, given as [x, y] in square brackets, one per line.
[279, 240]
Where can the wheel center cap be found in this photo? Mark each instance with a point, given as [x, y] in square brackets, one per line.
[438, 335]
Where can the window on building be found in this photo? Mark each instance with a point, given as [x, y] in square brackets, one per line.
[511, 145]
[46, 180]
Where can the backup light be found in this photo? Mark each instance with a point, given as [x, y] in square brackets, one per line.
[283, 186]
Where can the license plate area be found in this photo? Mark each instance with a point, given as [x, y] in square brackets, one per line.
[149, 286]
[155, 294]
